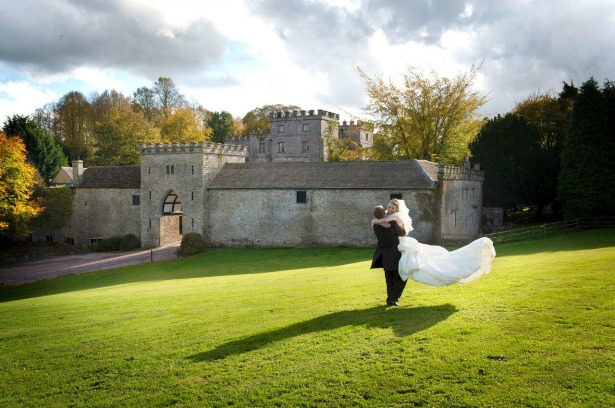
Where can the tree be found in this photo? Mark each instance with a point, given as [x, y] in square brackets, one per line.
[257, 121]
[42, 151]
[549, 117]
[506, 148]
[16, 187]
[221, 123]
[72, 126]
[183, 126]
[143, 100]
[586, 181]
[119, 130]
[430, 118]
[167, 96]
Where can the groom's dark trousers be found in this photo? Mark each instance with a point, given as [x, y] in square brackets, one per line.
[387, 256]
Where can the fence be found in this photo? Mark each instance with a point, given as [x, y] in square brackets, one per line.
[154, 255]
[539, 231]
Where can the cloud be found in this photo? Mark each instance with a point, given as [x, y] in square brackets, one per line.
[19, 97]
[236, 55]
[63, 35]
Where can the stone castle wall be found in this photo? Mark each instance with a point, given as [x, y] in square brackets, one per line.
[100, 213]
[183, 168]
[461, 203]
[329, 218]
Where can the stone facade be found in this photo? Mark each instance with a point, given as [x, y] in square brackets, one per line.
[285, 200]
[183, 169]
[301, 136]
[329, 217]
[461, 203]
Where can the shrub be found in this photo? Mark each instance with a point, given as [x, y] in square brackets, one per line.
[130, 242]
[192, 243]
[110, 244]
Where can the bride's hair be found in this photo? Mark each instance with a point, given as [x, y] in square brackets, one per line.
[395, 203]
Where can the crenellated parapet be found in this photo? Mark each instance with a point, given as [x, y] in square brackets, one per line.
[237, 141]
[193, 147]
[460, 173]
[305, 114]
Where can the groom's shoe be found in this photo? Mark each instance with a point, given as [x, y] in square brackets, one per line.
[392, 303]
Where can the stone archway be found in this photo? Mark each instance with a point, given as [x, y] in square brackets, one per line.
[171, 229]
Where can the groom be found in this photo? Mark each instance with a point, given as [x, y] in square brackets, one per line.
[387, 256]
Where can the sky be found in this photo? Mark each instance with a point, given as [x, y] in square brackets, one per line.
[238, 55]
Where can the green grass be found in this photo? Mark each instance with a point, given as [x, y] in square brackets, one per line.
[307, 327]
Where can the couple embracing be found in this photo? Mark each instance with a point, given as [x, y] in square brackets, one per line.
[403, 257]
[388, 228]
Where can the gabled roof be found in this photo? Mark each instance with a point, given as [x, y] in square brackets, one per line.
[401, 175]
[64, 176]
[112, 177]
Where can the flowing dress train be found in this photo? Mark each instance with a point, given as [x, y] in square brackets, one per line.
[436, 266]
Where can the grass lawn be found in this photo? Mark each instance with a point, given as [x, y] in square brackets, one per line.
[308, 327]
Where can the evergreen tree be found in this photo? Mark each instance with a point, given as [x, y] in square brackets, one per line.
[42, 151]
[586, 179]
[507, 150]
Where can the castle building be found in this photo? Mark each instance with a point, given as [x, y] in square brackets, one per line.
[302, 136]
[273, 199]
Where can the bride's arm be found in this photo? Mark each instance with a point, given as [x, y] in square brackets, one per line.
[385, 221]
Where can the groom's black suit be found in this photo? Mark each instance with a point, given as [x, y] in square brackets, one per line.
[387, 256]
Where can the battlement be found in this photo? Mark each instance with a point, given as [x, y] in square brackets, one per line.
[238, 140]
[461, 173]
[309, 114]
[192, 147]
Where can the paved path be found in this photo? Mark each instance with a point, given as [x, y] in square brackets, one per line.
[75, 264]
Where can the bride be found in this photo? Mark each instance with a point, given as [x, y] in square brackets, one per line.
[434, 265]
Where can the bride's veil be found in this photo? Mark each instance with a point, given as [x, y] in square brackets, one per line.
[404, 215]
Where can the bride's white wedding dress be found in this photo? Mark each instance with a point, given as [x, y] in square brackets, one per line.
[436, 266]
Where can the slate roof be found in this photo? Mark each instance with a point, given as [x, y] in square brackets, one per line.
[401, 175]
[112, 177]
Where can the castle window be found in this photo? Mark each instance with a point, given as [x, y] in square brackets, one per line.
[170, 169]
[149, 170]
[280, 147]
[306, 146]
[49, 238]
[301, 197]
[261, 147]
[399, 196]
[281, 128]
[136, 199]
[192, 195]
[306, 127]
[150, 195]
[95, 241]
[367, 136]
[69, 241]
[342, 132]
[172, 205]
[192, 169]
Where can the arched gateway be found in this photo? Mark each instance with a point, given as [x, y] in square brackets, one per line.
[171, 220]
[174, 178]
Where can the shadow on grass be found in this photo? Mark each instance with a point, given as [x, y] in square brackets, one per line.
[403, 321]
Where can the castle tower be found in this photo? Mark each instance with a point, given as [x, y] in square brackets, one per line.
[174, 178]
[461, 202]
[297, 136]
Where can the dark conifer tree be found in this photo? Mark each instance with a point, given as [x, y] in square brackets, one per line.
[585, 177]
[506, 148]
[42, 150]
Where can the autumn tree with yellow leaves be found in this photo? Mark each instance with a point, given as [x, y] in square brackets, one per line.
[17, 182]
